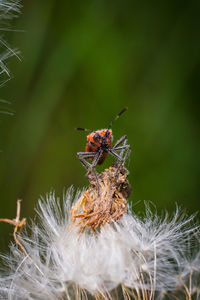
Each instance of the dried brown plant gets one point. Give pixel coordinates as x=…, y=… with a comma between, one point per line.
x=18, y=225
x=104, y=201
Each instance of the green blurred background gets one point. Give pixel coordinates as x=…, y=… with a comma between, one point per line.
x=82, y=62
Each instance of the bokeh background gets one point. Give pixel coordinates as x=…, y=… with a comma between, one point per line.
x=82, y=62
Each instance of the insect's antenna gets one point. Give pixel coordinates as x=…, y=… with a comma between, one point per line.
x=117, y=116
x=83, y=129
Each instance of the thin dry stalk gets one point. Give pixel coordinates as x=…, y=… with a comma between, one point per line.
x=171, y=295
x=190, y=282
x=18, y=226
x=127, y=293
x=187, y=292
x=153, y=285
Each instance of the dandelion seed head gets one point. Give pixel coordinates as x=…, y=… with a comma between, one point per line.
x=133, y=252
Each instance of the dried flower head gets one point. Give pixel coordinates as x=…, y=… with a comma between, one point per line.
x=104, y=201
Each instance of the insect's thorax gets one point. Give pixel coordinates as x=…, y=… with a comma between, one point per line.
x=99, y=139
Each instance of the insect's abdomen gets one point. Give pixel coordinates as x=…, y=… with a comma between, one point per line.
x=102, y=158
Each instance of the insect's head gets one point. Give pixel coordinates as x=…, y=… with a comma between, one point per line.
x=102, y=138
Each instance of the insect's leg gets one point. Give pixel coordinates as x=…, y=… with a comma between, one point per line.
x=127, y=153
x=94, y=163
x=89, y=154
x=121, y=140
x=122, y=148
x=126, y=148
x=112, y=151
x=84, y=163
x=120, y=156
x=96, y=158
x=122, y=159
x=85, y=155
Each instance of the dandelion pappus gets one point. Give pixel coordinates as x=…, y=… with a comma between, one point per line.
x=99, y=144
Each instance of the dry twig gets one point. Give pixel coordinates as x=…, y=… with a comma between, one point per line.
x=18, y=226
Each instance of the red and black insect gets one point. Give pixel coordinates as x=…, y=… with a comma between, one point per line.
x=99, y=144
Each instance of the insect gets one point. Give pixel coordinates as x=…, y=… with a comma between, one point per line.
x=99, y=144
